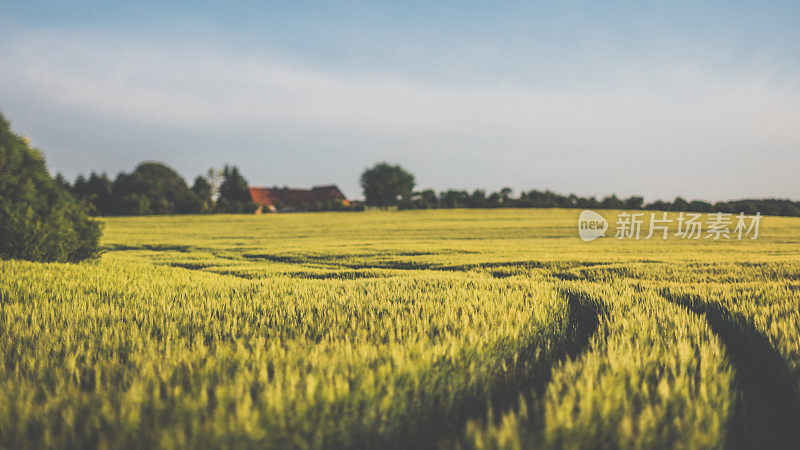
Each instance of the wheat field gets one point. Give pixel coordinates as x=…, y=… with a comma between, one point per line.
x=456, y=328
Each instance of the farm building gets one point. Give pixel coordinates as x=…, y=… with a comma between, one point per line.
x=274, y=199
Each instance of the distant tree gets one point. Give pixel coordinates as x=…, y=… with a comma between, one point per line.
x=700, y=206
x=234, y=186
x=587, y=203
x=634, y=202
x=494, y=200
x=39, y=219
x=96, y=192
x=420, y=200
x=547, y=199
x=386, y=185
x=611, y=202
x=133, y=205
x=204, y=191
x=751, y=207
x=427, y=199
x=550, y=199
x=214, y=178
x=63, y=182
x=679, y=204
x=453, y=198
x=724, y=207
x=505, y=195
x=659, y=205
x=539, y=199
x=477, y=199
x=153, y=188
x=234, y=195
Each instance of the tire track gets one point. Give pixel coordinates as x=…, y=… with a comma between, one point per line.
x=767, y=408
x=583, y=321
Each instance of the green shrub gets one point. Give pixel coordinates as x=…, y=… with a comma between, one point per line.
x=39, y=219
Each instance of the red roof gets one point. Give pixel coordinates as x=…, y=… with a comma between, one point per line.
x=294, y=198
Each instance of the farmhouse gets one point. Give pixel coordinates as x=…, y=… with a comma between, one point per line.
x=274, y=199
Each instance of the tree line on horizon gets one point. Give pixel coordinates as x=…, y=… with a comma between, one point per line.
x=429, y=199
x=388, y=185
x=154, y=188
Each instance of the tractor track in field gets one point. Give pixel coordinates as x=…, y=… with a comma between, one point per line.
x=767, y=407
x=334, y=261
x=585, y=314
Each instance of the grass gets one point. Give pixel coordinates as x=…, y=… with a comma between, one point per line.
x=458, y=328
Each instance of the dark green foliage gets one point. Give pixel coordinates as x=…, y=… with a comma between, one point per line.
x=633, y=203
x=547, y=199
x=384, y=185
x=387, y=185
x=679, y=204
x=234, y=195
x=234, y=186
x=39, y=219
x=153, y=188
x=96, y=192
x=63, y=182
x=612, y=202
x=478, y=199
x=329, y=205
x=426, y=199
x=204, y=191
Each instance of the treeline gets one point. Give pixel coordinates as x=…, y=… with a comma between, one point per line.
x=429, y=199
x=387, y=185
x=155, y=188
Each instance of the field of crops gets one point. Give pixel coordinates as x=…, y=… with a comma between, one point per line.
x=458, y=328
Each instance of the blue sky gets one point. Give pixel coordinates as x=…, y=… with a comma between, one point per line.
x=698, y=100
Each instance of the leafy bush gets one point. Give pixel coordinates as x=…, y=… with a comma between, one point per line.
x=39, y=219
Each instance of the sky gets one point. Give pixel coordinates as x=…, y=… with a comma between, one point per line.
x=661, y=99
